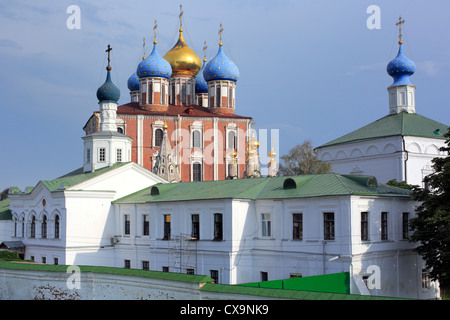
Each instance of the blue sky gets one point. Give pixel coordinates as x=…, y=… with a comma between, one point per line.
x=311, y=69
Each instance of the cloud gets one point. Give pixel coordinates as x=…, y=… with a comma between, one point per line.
x=365, y=68
x=8, y=43
x=431, y=68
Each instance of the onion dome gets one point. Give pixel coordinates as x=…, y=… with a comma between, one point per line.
x=108, y=92
x=154, y=66
x=182, y=59
x=200, y=84
x=133, y=82
x=401, y=68
x=221, y=68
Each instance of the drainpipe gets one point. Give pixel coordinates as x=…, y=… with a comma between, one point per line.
x=406, y=159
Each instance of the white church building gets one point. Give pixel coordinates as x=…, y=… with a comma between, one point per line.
x=113, y=212
x=398, y=146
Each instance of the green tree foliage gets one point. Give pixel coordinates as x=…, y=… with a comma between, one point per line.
x=301, y=159
x=401, y=184
x=431, y=227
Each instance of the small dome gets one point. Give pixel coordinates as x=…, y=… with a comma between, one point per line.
x=200, y=84
x=400, y=69
x=182, y=59
x=108, y=92
x=154, y=66
x=221, y=68
x=133, y=82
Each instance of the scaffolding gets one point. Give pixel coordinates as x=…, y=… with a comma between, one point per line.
x=182, y=251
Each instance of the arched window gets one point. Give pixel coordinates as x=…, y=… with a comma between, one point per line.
x=231, y=140
x=158, y=137
x=197, y=172
x=57, y=227
x=15, y=227
x=183, y=94
x=23, y=226
x=218, y=97
x=44, y=227
x=33, y=227
x=196, y=143
x=150, y=93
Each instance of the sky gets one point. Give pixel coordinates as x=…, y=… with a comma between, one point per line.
x=309, y=70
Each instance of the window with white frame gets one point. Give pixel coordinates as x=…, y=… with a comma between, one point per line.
x=145, y=225
x=328, y=226
x=384, y=226
x=119, y=155
x=197, y=171
x=88, y=155
x=231, y=140
x=158, y=134
x=297, y=226
x=196, y=139
x=102, y=154
x=127, y=224
x=266, y=225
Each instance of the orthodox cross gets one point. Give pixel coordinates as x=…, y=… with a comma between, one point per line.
x=109, y=57
x=143, y=48
x=399, y=24
x=181, y=15
x=220, y=34
x=154, y=31
x=204, y=50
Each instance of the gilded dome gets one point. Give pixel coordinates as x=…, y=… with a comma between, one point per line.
x=183, y=59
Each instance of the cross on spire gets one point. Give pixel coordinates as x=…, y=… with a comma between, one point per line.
x=143, y=48
x=154, y=32
x=181, y=16
x=399, y=24
x=220, y=34
x=109, y=57
x=204, y=50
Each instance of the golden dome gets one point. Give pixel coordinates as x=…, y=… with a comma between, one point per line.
x=272, y=154
x=183, y=59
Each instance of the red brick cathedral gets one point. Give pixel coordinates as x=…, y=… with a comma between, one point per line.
x=181, y=117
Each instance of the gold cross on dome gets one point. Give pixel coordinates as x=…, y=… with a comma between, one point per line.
x=399, y=24
x=181, y=15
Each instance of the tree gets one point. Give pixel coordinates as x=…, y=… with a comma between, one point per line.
x=301, y=159
x=431, y=227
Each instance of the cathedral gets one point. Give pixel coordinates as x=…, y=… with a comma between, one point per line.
x=181, y=119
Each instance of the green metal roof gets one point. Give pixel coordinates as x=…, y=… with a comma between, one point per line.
x=77, y=176
x=403, y=123
x=265, y=188
x=5, y=213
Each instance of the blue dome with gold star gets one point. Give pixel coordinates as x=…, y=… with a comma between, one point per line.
x=400, y=69
x=108, y=92
x=154, y=66
x=221, y=68
x=200, y=82
x=133, y=82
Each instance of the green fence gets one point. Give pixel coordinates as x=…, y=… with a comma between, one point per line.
x=334, y=283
